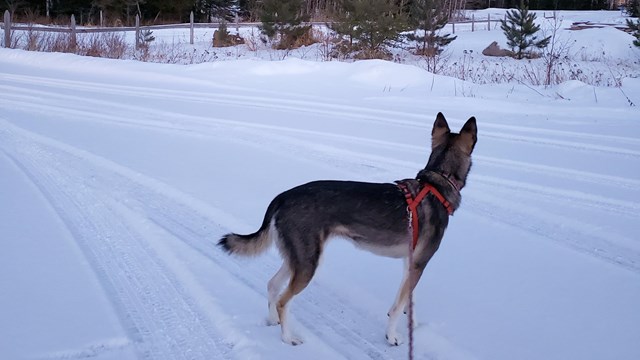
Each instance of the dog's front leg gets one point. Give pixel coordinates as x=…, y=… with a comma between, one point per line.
x=394, y=313
x=405, y=276
x=410, y=279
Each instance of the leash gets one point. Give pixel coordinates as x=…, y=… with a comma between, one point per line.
x=414, y=226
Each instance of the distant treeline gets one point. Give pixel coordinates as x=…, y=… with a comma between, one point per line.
x=122, y=12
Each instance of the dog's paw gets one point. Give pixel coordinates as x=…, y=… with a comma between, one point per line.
x=273, y=319
x=272, y=322
x=292, y=340
x=393, y=339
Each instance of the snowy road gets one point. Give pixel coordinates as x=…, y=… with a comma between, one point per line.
x=120, y=177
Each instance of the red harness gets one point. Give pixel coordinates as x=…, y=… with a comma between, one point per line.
x=412, y=205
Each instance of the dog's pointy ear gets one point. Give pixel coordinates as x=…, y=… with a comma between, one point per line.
x=469, y=135
x=440, y=131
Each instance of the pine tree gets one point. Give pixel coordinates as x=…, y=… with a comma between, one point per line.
x=633, y=8
x=283, y=20
x=635, y=28
x=370, y=25
x=520, y=30
x=429, y=17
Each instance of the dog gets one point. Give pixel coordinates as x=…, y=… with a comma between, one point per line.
x=374, y=216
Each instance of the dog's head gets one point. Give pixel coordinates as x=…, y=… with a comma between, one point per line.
x=451, y=152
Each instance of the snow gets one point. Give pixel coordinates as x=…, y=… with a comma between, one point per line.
x=118, y=177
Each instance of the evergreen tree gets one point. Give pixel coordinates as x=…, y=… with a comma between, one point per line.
x=520, y=30
x=635, y=28
x=429, y=17
x=370, y=25
x=283, y=20
x=633, y=8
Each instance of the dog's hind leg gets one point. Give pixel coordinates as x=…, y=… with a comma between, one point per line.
x=299, y=280
x=274, y=287
x=302, y=260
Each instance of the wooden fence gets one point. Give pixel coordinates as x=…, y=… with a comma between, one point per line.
x=74, y=30
x=473, y=23
x=191, y=25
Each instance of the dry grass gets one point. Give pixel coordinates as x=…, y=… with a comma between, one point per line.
x=107, y=45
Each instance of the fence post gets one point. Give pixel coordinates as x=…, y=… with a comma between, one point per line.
x=7, y=29
x=191, y=28
x=74, y=40
x=453, y=24
x=137, y=31
x=473, y=22
x=489, y=22
x=101, y=19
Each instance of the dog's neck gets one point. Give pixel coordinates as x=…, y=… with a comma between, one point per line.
x=448, y=186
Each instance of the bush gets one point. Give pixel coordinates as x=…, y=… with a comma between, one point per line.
x=223, y=38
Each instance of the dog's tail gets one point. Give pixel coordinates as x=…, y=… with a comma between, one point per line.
x=252, y=244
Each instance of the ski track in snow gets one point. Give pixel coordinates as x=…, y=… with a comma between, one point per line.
x=314, y=105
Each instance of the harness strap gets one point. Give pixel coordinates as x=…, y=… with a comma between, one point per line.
x=413, y=203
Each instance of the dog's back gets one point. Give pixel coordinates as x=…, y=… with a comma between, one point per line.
x=301, y=219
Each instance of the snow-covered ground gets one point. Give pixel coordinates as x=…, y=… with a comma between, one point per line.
x=118, y=177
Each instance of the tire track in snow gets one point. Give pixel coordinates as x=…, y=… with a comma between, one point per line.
x=161, y=319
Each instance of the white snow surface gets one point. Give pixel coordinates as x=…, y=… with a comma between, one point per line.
x=117, y=178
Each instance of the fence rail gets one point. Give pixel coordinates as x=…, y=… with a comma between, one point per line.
x=8, y=27
x=88, y=30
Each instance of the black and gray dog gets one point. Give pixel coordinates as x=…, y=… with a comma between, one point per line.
x=374, y=216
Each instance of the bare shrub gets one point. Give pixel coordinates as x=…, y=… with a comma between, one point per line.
x=253, y=41
x=327, y=41
x=33, y=40
x=92, y=46
x=115, y=45
x=557, y=51
x=60, y=42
